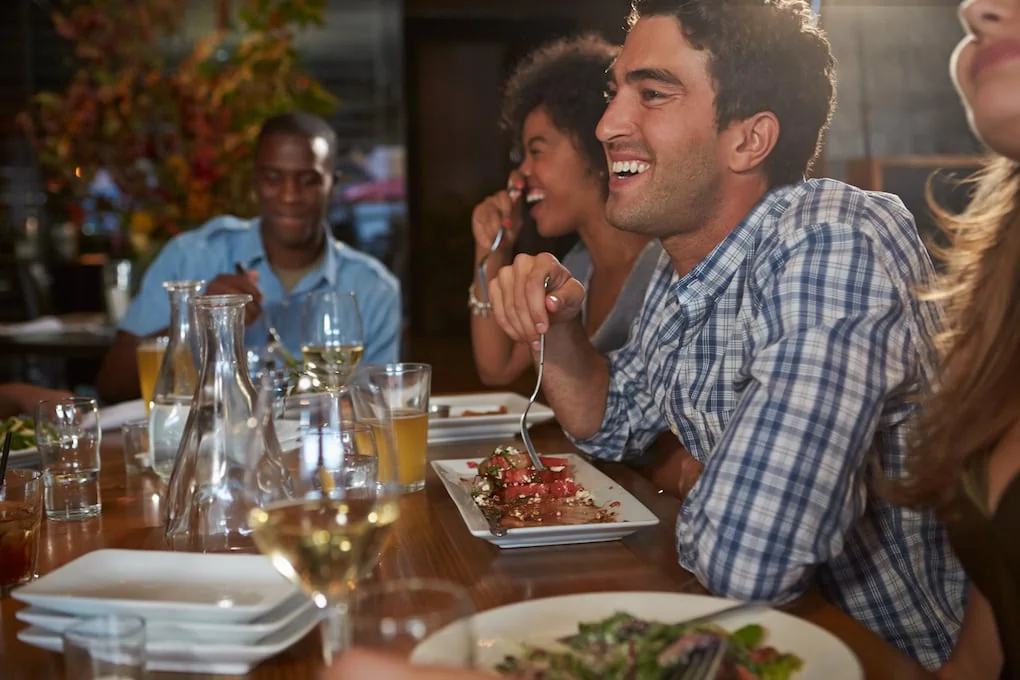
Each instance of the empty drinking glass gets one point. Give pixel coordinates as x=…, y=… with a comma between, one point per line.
x=397, y=616
x=68, y=436
x=105, y=648
x=135, y=439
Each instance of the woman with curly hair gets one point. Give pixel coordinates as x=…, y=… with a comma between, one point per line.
x=967, y=459
x=552, y=103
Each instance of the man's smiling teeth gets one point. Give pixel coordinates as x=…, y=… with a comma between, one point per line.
x=629, y=167
x=535, y=196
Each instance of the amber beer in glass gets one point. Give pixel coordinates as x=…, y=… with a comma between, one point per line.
x=150, y=356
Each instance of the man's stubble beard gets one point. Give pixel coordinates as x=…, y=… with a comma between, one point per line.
x=664, y=211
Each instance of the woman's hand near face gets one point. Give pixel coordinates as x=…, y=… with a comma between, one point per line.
x=501, y=210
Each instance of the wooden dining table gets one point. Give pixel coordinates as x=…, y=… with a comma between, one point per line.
x=429, y=540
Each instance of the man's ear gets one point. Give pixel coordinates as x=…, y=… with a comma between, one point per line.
x=750, y=141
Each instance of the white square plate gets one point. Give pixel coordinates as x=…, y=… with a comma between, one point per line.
x=190, y=631
x=152, y=584
x=631, y=514
x=177, y=656
x=458, y=427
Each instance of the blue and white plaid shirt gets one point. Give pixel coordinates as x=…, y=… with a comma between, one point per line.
x=785, y=362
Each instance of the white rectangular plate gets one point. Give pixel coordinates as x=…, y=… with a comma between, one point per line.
x=177, y=656
x=458, y=428
x=631, y=514
x=190, y=631
x=156, y=584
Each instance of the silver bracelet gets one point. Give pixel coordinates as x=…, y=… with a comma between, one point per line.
x=477, y=307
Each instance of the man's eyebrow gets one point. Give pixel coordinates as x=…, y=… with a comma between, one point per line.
x=534, y=138
x=660, y=75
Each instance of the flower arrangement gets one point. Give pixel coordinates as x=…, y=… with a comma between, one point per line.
x=176, y=139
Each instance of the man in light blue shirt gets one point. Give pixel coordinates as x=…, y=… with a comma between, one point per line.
x=287, y=253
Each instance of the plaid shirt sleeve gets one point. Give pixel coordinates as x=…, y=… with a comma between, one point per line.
x=829, y=343
x=632, y=418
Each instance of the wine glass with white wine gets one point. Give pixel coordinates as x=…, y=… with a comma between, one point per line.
x=334, y=338
x=325, y=527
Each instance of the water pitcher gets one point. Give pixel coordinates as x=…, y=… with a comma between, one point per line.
x=207, y=503
x=176, y=380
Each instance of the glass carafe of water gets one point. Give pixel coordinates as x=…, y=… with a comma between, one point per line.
x=175, y=382
x=207, y=501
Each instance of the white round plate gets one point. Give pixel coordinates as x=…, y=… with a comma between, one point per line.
x=500, y=631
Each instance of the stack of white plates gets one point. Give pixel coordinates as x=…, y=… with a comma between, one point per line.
x=204, y=613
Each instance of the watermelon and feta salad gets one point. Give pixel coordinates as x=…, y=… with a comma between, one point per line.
x=507, y=482
x=623, y=647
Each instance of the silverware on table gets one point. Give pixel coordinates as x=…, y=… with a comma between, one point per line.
x=493, y=516
x=439, y=410
x=703, y=663
x=725, y=611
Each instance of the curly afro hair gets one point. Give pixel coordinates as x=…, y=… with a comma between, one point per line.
x=567, y=78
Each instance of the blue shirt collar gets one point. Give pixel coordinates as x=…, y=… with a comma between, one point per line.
x=252, y=251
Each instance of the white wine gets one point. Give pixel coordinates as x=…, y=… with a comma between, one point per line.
x=332, y=364
x=322, y=544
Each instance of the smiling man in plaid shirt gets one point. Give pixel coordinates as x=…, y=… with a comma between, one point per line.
x=781, y=339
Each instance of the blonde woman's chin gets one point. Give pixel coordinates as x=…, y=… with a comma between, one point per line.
x=994, y=113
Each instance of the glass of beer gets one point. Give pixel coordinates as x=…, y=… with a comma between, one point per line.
x=406, y=389
x=150, y=356
x=20, y=517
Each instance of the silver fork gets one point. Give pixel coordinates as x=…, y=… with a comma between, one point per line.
x=535, y=460
x=483, y=280
x=274, y=335
x=704, y=663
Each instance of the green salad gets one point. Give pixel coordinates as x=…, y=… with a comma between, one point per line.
x=623, y=647
x=22, y=432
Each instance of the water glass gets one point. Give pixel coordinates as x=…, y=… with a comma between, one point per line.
x=135, y=438
x=20, y=517
x=105, y=648
x=67, y=435
x=397, y=616
x=406, y=388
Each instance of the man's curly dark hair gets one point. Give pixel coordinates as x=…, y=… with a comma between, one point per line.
x=566, y=77
x=765, y=55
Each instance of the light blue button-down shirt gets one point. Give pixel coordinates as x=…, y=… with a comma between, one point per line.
x=786, y=361
x=224, y=242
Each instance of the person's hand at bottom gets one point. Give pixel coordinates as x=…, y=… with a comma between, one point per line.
x=357, y=664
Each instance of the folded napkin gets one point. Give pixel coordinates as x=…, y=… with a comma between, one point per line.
x=114, y=416
x=44, y=324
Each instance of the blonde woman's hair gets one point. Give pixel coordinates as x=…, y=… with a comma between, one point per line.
x=977, y=396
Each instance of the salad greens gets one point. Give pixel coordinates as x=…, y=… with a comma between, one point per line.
x=23, y=432
x=623, y=647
